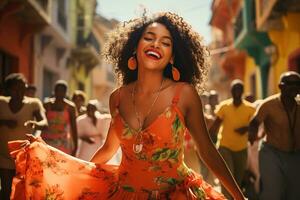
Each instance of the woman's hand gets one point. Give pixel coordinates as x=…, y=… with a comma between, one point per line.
x=33, y=138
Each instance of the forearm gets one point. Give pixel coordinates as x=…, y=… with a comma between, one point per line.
x=102, y=155
x=253, y=130
x=217, y=165
x=41, y=124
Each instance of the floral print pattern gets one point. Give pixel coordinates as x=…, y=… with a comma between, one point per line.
x=157, y=172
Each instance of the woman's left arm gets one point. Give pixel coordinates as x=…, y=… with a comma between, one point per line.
x=194, y=119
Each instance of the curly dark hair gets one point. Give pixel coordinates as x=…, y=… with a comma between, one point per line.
x=190, y=54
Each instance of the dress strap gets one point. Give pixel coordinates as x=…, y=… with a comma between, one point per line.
x=177, y=94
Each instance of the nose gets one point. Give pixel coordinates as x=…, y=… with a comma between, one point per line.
x=155, y=43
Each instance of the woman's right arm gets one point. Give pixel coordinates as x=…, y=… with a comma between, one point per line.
x=112, y=142
x=196, y=124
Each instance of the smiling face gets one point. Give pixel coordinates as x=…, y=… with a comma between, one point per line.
x=154, y=50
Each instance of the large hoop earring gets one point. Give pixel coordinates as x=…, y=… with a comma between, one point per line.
x=132, y=62
x=175, y=73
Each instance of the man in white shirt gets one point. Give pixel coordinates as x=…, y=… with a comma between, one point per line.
x=92, y=130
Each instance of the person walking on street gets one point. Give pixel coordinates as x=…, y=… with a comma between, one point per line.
x=19, y=115
x=61, y=115
x=279, y=156
x=92, y=130
x=234, y=115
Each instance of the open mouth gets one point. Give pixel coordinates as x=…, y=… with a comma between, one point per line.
x=153, y=54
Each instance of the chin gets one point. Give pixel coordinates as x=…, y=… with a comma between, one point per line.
x=154, y=66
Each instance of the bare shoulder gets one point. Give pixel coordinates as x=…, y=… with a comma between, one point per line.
x=114, y=97
x=48, y=102
x=189, y=98
x=4, y=99
x=69, y=103
x=189, y=93
x=124, y=90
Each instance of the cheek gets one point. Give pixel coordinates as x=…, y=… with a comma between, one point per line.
x=141, y=45
x=168, y=53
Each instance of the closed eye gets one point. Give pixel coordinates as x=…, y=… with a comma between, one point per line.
x=166, y=44
x=147, y=39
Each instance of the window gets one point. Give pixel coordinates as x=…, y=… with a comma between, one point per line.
x=61, y=14
x=49, y=79
x=8, y=64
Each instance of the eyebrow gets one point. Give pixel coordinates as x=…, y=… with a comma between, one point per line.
x=152, y=33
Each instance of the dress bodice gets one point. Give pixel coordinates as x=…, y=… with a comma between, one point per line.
x=160, y=160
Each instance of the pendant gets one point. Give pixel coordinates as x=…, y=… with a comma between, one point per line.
x=137, y=148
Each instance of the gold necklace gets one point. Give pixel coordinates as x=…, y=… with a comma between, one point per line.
x=137, y=147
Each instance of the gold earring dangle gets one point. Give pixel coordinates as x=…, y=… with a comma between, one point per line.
x=132, y=62
x=175, y=73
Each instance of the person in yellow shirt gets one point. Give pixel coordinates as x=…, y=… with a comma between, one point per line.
x=232, y=118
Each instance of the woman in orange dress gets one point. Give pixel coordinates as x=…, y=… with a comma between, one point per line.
x=160, y=60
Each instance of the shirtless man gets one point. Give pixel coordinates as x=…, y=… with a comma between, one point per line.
x=279, y=157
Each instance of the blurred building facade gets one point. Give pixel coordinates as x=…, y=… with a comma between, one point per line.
x=19, y=22
x=47, y=40
x=103, y=77
x=224, y=69
x=85, y=54
x=280, y=19
x=52, y=47
x=257, y=41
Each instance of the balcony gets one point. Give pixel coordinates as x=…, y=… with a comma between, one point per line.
x=87, y=51
x=33, y=12
x=222, y=13
x=246, y=36
x=270, y=12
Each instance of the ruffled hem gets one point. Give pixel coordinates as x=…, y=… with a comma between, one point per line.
x=44, y=172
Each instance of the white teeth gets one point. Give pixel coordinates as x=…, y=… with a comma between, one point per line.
x=153, y=54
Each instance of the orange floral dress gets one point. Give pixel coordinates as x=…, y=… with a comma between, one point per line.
x=156, y=172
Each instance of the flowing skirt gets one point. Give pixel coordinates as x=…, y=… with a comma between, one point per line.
x=44, y=172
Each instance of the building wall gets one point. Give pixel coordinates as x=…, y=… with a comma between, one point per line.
x=49, y=65
x=46, y=64
x=102, y=76
x=80, y=77
x=252, y=80
x=286, y=41
x=12, y=43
